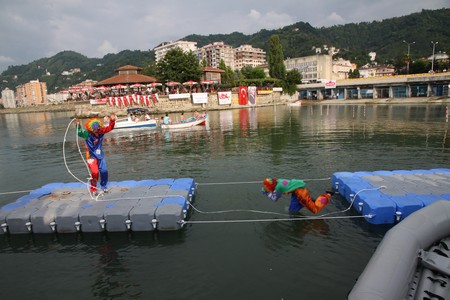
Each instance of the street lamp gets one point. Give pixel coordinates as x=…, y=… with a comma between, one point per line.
x=407, y=64
x=432, y=61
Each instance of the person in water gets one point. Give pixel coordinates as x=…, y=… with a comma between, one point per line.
x=274, y=188
x=93, y=135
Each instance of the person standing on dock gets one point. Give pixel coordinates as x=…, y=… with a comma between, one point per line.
x=274, y=188
x=93, y=135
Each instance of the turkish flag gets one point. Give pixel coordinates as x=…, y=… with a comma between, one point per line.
x=243, y=98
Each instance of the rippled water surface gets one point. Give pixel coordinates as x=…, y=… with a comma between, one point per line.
x=291, y=259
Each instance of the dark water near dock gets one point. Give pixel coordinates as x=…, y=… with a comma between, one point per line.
x=308, y=259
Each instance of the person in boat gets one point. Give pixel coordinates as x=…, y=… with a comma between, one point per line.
x=93, y=135
x=196, y=114
x=274, y=188
x=147, y=117
x=166, y=119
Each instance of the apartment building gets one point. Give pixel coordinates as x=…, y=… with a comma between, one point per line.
x=31, y=93
x=319, y=67
x=246, y=55
x=215, y=52
x=9, y=101
x=186, y=46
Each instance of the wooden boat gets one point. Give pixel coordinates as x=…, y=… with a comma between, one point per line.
x=138, y=122
x=186, y=124
x=412, y=261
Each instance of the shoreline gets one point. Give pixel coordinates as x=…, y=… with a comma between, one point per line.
x=121, y=111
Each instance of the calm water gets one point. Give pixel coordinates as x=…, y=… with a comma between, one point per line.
x=308, y=259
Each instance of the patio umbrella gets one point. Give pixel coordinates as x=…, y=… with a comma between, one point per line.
x=101, y=88
x=207, y=82
x=190, y=83
x=137, y=85
x=154, y=84
x=172, y=83
x=119, y=86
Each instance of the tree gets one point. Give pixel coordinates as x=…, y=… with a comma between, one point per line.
x=275, y=58
x=177, y=65
x=293, y=77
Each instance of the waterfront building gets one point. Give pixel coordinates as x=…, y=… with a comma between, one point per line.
x=9, y=101
x=127, y=75
x=246, y=55
x=186, y=46
x=31, y=93
x=215, y=52
x=376, y=71
x=313, y=68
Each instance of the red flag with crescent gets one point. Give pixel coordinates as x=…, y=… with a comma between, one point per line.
x=243, y=91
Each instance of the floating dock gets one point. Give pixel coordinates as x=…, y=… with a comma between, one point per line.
x=387, y=197
x=145, y=205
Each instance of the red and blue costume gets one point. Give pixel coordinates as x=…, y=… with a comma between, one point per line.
x=94, y=152
x=274, y=188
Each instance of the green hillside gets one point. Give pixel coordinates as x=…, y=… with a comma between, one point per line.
x=299, y=39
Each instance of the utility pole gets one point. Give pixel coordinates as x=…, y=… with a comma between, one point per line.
x=432, y=61
x=407, y=63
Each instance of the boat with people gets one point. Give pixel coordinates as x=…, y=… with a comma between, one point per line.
x=193, y=121
x=136, y=118
x=413, y=259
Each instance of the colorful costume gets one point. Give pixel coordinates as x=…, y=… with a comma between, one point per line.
x=94, y=154
x=300, y=197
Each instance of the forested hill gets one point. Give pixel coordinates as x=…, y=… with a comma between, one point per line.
x=299, y=39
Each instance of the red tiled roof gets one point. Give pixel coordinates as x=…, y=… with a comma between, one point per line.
x=126, y=79
x=128, y=67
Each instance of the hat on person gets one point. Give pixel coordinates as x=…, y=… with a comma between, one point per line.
x=93, y=124
x=270, y=184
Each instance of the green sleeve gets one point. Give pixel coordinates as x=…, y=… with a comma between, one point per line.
x=82, y=133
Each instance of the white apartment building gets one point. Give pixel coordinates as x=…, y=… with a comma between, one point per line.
x=215, y=52
x=9, y=101
x=319, y=67
x=186, y=46
x=246, y=55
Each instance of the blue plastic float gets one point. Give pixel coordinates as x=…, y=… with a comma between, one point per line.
x=144, y=205
x=387, y=197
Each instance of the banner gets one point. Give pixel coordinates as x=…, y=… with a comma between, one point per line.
x=199, y=98
x=331, y=84
x=224, y=98
x=179, y=96
x=252, y=95
x=242, y=95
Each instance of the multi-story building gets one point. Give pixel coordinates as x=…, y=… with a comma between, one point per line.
x=319, y=67
x=9, y=101
x=215, y=52
x=313, y=68
x=341, y=68
x=32, y=93
x=246, y=55
x=376, y=71
x=186, y=46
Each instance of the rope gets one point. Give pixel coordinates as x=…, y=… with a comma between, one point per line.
x=301, y=218
x=274, y=220
x=255, y=182
x=88, y=185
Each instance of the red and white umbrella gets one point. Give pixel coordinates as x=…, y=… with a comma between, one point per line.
x=119, y=86
x=190, y=83
x=207, y=82
x=172, y=83
x=137, y=85
x=153, y=84
x=102, y=88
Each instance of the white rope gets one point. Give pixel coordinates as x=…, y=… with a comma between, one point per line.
x=320, y=217
x=254, y=182
x=274, y=220
x=88, y=185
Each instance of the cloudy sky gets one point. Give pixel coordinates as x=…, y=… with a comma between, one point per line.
x=33, y=29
